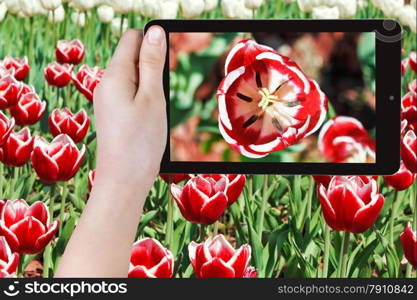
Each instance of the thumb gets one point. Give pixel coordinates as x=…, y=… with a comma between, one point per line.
x=151, y=62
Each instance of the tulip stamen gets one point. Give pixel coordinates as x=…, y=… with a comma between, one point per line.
x=267, y=98
x=244, y=97
x=276, y=124
x=258, y=80
x=250, y=121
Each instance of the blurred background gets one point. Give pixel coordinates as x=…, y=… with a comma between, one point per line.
x=342, y=63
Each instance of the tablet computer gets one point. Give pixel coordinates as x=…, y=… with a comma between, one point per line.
x=282, y=96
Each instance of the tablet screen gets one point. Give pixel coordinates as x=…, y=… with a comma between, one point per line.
x=272, y=97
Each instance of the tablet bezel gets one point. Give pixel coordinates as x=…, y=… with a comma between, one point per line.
x=388, y=96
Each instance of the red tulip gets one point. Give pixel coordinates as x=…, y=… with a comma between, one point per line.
x=201, y=200
x=27, y=229
x=18, y=148
x=404, y=65
x=6, y=127
x=234, y=185
x=20, y=67
x=409, y=150
x=409, y=242
x=344, y=139
x=29, y=110
x=9, y=91
x=216, y=258
x=350, y=204
x=87, y=79
x=57, y=161
x=69, y=52
x=174, y=178
x=325, y=179
x=409, y=109
x=74, y=125
x=8, y=260
x=250, y=273
x=412, y=61
x=150, y=259
x=401, y=180
x=58, y=75
x=2, y=203
x=266, y=103
x=91, y=175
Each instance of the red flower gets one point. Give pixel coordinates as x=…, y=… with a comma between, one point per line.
x=9, y=91
x=409, y=109
x=409, y=150
x=58, y=75
x=17, y=149
x=20, y=67
x=91, y=175
x=64, y=121
x=29, y=110
x=69, y=52
x=27, y=229
x=404, y=65
x=201, y=200
x=401, y=180
x=325, y=179
x=409, y=242
x=344, y=139
x=412, y=61
x=350, y=204
x=216, y=258
x=250, y=273
x=6, y=127
x=57, y=161
x=150, y=259
x=266, y=102
x=234, y=185
x=2, y=203
x=86, y=80
x=175, y=178
x=8, y=260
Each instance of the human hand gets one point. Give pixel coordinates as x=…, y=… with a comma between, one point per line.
x=130, y=110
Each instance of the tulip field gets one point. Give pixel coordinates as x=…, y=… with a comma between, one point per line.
x=52, y=56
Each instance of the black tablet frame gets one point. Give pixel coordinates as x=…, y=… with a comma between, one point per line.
x=388, y=95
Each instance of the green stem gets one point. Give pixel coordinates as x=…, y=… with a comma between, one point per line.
x=392, y=216
x=263, y=206
x=20, y=267
x=47, y=254
x=62, y=208
x=344, y=255
x=30, y=46
x=326, y=252
x=216, y=228
x=170, y=217
x=13, y=185
x=122, y=19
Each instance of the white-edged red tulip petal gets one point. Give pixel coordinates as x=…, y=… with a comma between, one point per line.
x=344, y=139
x=27, y=229
x=9, y=260
x=58, y=75
x=63, y=121
x=409, y=243
x=19, y=66
x=17, y=149
x=350, y=203
x=86, y=80
x=29, y=109
x=70, y=52
x=409, y=150
x=57, y=161
x=216, y=258
x=266, y=103
x=149, y=259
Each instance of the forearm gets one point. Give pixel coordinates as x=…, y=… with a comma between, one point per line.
x=102, y=241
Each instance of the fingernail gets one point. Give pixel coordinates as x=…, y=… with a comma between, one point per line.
x=154, y=35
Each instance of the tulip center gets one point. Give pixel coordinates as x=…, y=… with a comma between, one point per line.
x=267, y=98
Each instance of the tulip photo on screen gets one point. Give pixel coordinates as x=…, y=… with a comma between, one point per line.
x=234, y=97
x=271, y=97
